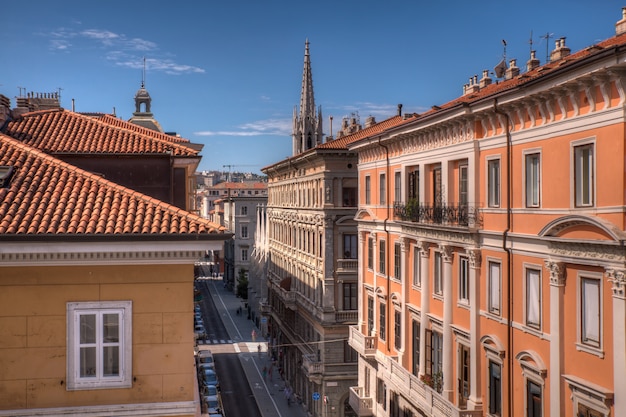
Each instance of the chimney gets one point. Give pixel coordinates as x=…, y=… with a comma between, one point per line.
x=399, y=109
x=472, y=87
x=370, y=121
x=486, y=80
x=620, y=26
x=533, y=62
x=560, y=50
x=5, y=109
x=512, y=70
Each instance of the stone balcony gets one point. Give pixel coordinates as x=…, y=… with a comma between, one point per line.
x=428, y=400
x=264, y=307
x=288, y=297
x=362, y=406
x=312, y=367
x=347, y=316
x=347, y=266
x=453, y=215
x=364, y=345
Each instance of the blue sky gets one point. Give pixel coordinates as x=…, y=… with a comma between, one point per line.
x=228, y=74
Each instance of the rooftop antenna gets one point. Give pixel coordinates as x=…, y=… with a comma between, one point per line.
x=22, y=89
x=547, y=37
x=59, y=89
x=143, y=74
x=530, y=41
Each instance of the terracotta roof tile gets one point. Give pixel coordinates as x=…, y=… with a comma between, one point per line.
x=63, y=131
x=46, y=196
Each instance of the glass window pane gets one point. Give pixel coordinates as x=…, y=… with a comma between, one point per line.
x=591, y=311
x=532, y=294
x=87, y=328
x=87, y=362
x=111, y=361
x=111, y=328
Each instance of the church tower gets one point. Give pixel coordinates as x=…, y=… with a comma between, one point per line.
x=307, y=126
x=144, y=117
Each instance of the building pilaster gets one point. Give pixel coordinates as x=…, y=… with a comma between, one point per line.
x=475, y=398
x=448, y=387
x=557, y=288
x=618, y=280
x=425, y=302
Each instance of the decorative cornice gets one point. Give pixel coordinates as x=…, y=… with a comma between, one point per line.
x=617, y=277
x=587, y=251
x=475, y=257
x=76, y=258
x=557, y=272
x=440, y=235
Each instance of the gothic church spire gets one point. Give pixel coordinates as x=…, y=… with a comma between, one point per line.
x=307, y=126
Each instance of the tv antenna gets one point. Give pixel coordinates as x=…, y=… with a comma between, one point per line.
x=547, y=37
x=143, y=74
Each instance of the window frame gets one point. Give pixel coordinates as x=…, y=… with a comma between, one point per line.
x=370, y=253
x=350, y=294
x=368, y=189
x=244, y=254
x=382, y=258
x=583, y=342
x=382, y=320
x=397, y=261
x=494, y=402
x=370, y=315
x=417, y=267
x=494, y=183
x=527, y=297
x=532, y=178
x=244, y=210
x=244, y=231
x=438, y=274
x=397, y=331
x=577, y=185
x=464, y=289
x=382, y=189
x=415, y=330
x=463, y=183
x=490, y=288
x=397, y=184
x=74, y=310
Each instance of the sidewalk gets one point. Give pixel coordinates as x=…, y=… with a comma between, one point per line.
x=268, y=392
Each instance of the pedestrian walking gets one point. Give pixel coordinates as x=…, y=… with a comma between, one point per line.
x=269, y=371
x=288, y=395
x=253, y=335
x=265, y=373
x=258, y=349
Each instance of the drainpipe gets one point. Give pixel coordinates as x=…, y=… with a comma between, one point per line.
x=505, y=247
x=388, y=248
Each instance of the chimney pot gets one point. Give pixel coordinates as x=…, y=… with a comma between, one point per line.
x=620, y=26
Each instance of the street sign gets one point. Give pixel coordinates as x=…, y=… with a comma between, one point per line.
x=263, y=319
x=316, y=396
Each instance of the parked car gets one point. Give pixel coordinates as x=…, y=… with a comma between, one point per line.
x=209, y=377
x=205, y=353
x=209, y=390
x=212, y=403
x=206, y=365
x=205, y=359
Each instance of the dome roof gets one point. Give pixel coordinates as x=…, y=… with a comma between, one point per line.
x=142, y=93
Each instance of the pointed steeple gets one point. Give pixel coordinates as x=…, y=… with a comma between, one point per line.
x=307, y=126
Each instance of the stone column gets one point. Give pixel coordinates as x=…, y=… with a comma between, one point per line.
x=374, y=285
x=618, y=280
x=448, y=381
x=404, y=246
x=475, y=399
x=557, y=288
x=425, y=301
x=362, y=305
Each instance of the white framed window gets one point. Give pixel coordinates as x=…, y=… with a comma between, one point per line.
x=438, y=274
x=382, y=321
x=244, y=209
x=464, y=279
x=244, y=254
x=417, y=262
x=397, y=261
x=533, y=298
x=532, y=178
x=463, y=184
x=99, y=345
x=382, y=189
x=590, y=312
x=244, y=231
x=397, y=184
x=382, y=257
x=494, y=287
x=370, y=253
x=584, y=175
x=368, y=189
x=493, y=182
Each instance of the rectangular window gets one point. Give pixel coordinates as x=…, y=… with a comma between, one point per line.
x=244, y=231
x=533, y=399
x=381, y=257
x=350, y=296
x=463, y=185
x=349, y=354
x=413, y=186
x=397, y=184
x=382, y=322
x=397, y=261
x=494, y=288
x=370, y=315
x=437, y=353
x=99, y=345
x=533, y=298
x=437, y=276
x=368, y=190
x=397, y=324
x=350, y=248
x=464, y=279
x=590, y=311
x=349, y=197
x=417, y=262
x=383, y=189
x=244, y=210
x=381, y=393
x=493, y=183
x=583, y=175
x=532, y=180
x=370, y=253
x=495, y=389
x=416, y=347
x=244, y=254
x=437, y=187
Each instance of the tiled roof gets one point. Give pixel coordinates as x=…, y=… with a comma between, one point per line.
x=342, y=142
x=63, y=131
x=46, y=196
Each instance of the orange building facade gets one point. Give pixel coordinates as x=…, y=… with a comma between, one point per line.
x=491, y=247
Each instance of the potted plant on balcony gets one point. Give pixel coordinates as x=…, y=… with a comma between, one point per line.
x=412, y=209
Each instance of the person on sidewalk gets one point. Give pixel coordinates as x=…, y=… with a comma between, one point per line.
x=265, y=373
x=253, y=335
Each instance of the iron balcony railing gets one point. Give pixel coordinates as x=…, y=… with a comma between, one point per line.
x=460, y=215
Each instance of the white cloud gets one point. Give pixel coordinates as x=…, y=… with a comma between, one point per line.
x=270, y=127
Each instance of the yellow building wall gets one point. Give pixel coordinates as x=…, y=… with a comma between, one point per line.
x=33, y=330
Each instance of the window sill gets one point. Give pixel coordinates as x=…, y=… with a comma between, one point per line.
x=464, y=304
x=590, y=349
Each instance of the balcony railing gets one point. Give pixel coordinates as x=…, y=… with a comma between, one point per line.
x=311, y=365
x=429, y=400
x=361, y=405
x=346, y=316
x=364, y=345
x=459, y=215
x=347, y=265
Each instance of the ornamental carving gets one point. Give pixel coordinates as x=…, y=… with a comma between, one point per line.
x=440, y=235
x=557, y=272
x=446, y=252
x=475, y=258
x=617, y=277
x=587, y=251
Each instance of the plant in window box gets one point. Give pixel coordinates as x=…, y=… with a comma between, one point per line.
x=412, y=209
x=427, y=379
